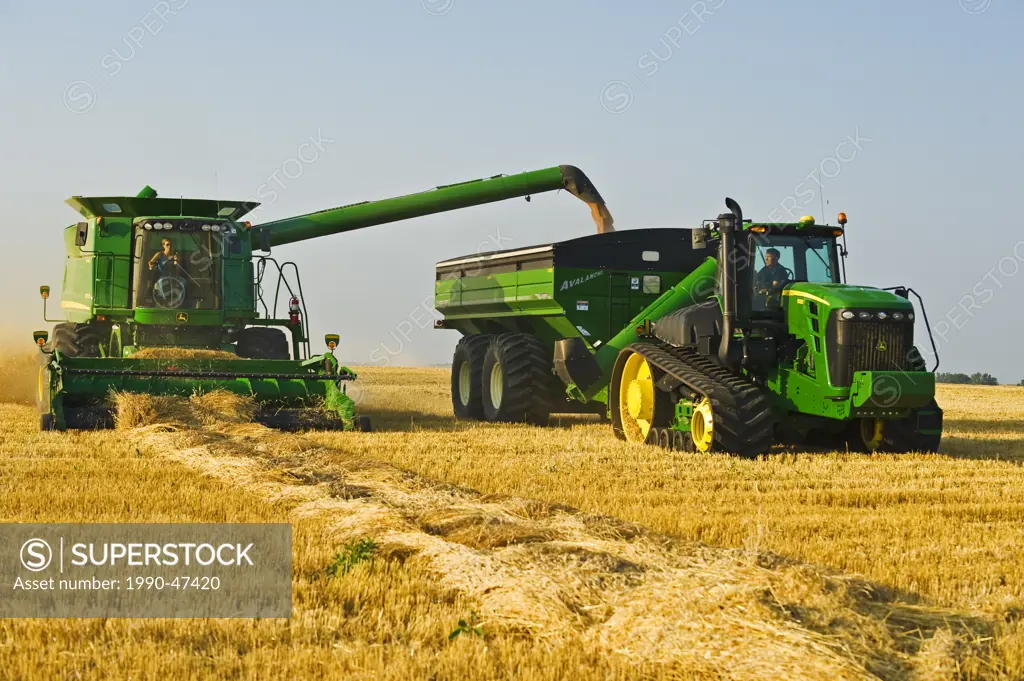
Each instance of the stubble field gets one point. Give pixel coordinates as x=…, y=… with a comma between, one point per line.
x=563, y=552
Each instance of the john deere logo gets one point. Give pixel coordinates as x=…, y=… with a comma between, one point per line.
x=183, y=317
x=881, y=346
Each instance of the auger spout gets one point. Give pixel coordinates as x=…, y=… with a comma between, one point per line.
x=441, y=199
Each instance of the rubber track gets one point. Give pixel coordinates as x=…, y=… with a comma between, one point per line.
x=744, y=420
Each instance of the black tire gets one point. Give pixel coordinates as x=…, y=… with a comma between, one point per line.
x=467, y=376
x=363, y=424
x=47, y=422
x=262, y=342
x=74, y=340
x=523, y=365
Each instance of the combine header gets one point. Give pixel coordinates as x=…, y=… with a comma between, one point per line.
x=166, y=297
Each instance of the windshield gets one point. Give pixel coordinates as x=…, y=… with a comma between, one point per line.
x=177, y=270
x=780, y=260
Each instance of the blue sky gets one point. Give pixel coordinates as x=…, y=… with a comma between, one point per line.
x=668, y=106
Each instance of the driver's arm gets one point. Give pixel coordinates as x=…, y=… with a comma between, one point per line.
x=152, y=261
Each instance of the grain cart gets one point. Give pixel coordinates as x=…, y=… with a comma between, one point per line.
x=760, y=343
x=146, y=274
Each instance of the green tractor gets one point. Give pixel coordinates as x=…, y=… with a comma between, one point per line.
x=170, y=296
x=761, y=343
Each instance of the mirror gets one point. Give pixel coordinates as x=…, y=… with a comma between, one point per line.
x=265, y=240
x=81, y=234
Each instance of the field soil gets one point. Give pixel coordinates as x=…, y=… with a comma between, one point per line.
x=442, y=549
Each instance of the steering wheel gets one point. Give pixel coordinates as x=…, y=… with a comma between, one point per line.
x=169, y=292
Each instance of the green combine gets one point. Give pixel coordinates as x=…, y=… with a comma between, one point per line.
x=731, y=337
x=171, y=296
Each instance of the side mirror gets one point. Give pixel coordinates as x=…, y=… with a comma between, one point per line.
x=332, y=341
x=44, y=292
x=265, y=240
x=40, y=337
x=81, y=234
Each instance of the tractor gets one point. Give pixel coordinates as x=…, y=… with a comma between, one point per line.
x=761, y=343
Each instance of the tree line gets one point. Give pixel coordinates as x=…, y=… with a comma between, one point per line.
x=964, y=379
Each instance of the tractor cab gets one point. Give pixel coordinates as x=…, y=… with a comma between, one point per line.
x=785, y=255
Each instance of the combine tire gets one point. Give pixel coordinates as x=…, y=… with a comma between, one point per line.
x=261, y=342
x=467, y=376
x=74, y=340
x=517, y=379
x=731, y=414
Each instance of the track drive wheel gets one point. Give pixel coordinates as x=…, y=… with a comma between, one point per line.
x=639, y=405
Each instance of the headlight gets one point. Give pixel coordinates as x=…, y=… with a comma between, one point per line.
x=168, y=225
x=149, y=225
x=214, y=228
x=910, y=316
x=864, y=315
x=206, y=228
x=898, y=316
x=882, y=315
x=847, y=314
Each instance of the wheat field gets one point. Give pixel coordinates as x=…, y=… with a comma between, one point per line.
x=547, y=553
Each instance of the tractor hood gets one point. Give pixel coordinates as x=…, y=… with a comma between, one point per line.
x=844, y=295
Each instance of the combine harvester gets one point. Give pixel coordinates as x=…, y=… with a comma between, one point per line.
x=166, y=297
x=764, y=342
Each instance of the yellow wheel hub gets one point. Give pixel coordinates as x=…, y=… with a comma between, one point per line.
x=636, y=398
x=872, y=432
x=702, y=426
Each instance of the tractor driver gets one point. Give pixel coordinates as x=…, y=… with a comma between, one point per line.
x=162, y=259
x=772, y=278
